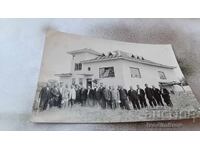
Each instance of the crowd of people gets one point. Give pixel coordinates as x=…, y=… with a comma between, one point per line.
x=62, y=96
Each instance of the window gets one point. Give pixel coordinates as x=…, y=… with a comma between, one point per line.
x=106, y=72
x=89, y=68
x=135, y=72
x=162, y=75
x=78, y=66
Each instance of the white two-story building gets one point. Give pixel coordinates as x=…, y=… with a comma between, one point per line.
x=115, y=68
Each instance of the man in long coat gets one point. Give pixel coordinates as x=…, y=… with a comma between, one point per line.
x=78, y=94
x=133, y=97
x=166, y=96
x=44, y=97
x=90, y=96
x=115, y=98
x=106, y=97
x=149, y=94
x=157, y=96
x=83, y=96
x=123, y=98
x=141, y=96
x=99, y=94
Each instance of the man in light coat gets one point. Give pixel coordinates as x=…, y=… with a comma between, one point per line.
x=72, y=96
x=115, y=98
x=65, y=95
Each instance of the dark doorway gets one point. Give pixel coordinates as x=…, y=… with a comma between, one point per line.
x=89, y=82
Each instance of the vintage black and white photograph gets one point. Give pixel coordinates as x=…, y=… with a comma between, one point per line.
x=90, y=80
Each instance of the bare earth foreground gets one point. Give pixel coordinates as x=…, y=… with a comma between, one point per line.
x=185, y=106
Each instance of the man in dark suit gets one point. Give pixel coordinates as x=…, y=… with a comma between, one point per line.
x=56, y=96
x=45, y=96
x=149, y=94
x=78, y=94
x=83, y=96
x=106, y=97
x=157, y=96
x=133, y=97
x=90, y=96
x=99, y=94
x=166, y=96
x=141, y=96
x=123, y=98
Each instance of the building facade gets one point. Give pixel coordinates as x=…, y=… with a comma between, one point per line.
x=115, y=68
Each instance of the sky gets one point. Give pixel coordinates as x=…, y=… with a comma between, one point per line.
x=22, y=42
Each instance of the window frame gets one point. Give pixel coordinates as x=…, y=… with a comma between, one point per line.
x=108, y=76
x=163, y=73
x=140, y=76
x=78, y=66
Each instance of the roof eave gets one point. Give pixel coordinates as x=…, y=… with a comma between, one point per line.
x=109, y=59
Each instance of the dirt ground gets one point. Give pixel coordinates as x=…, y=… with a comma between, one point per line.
x=185, y=106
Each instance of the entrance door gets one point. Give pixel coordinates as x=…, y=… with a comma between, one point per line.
x=89, y=82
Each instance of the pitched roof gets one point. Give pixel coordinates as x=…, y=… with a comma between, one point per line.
x=125, y=56
x=84, y=50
